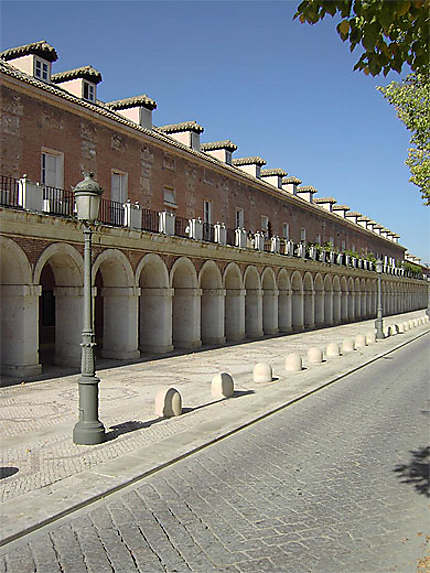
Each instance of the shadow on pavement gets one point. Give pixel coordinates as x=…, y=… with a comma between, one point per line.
x=417, y=472
x=7, y=471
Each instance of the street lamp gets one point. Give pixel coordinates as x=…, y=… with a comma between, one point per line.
x=88, y=430
x=378, y=321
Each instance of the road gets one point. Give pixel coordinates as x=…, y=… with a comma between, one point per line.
x=337, y=482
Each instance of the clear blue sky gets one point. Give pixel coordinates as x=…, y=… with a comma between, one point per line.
x=246, y=71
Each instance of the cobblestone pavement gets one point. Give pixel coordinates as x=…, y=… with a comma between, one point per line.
x=36, y=419
x=334, y=483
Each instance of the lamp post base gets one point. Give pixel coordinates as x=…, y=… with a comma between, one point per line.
x=89, y=433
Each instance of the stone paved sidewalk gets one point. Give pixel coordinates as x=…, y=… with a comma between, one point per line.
x=44, y=474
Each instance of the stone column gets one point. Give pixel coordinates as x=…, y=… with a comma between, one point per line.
x=235, y=314
x=344, y=306
x=186, y=318
x=253, y=313
x=156, y=320
x=120, y=312
x=351, y=306
x=212, y=316
x=284, y=311
x=19, y=328
x=319, y=308
x=337, y=306
x=328, y=307
x=68, y=325
x=270, y=311
x=309, y=308
x=297, y=311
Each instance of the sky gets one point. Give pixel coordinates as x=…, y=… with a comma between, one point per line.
x=248, y=72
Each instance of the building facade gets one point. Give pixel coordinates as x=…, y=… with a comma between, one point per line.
x=193, y=246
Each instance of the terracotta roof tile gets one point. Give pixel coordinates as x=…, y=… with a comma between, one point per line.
x=135, y=101
x=213, y=145
x=291, y=179
x=183, y=126
x=270, y=172
x=86, y=72
x=255, y=160
x=41, y=48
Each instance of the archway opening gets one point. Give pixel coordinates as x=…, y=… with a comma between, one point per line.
x=284, y=302
x=297, y=302
x=47, y=316
x=253, y=305
x=234, y=315
x=186, y=306
x=212, y=305
x=319, y=300
x=270, y=303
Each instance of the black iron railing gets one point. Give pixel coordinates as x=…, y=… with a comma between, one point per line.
x=208, y=232
x=111, y=213
x=9, y=191
x=58, y=201
x=150, y=220
x=181, y=226
x=231, y=237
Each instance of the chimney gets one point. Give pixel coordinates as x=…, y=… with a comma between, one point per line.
x=363, y=221
x=353, y=216
x=251, y=165
x=395, y=237
x=340, y=210
x=289, y=184
x=80, y=82
x=325, y=202
x=137, y=109
x=221, y=150
x=377, y=228
x=306, y=192
x=187, y=132
x=33, y=59
x=273, y=176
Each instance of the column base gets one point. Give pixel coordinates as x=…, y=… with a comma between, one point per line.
x=120, y=354
x=89, y=433
x=214, y=340
x=187, y=344
x=160, y=349
x=21, y=371
x=271, y=331
x=285, y=329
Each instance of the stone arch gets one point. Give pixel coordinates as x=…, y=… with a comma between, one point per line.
x=234, y=316
x=59, y=271
x=319, y=300
x=284, y=301
x=270, y=302
x=19, y=301
x=186, y=305
x=297, y=312
x=212, y=304
x=253, y=303
x=337, y=300
x=116, y=306
x=308, y=301
x=155, y=305
x=328, y=300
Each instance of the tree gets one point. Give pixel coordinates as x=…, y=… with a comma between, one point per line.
x=391, y=33
x=411, y=99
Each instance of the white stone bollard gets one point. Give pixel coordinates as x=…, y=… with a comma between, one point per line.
x=411, y=324
x=405, y=327
x=360, y=341
x=415, y=323
x=222, y=385
x=332, y=349
x=315, y=355
x=386, y=331
x=348, y=345
x=370, y=338
x=262, y=372
x=293, y=362
x=168, y=403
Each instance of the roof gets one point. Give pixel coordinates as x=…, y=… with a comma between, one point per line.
x=325, y=200
x=255, y=160
x=183, y=126
x=135, y=101
x=41, y=48
x=340, y=208
x=364, y=218
x=270, y=172
x=354, y=214
x=306, y=189
x=291, y=179
x=213, y=145
x=85, y=72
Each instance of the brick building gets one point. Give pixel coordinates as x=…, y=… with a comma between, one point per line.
x=193, y=246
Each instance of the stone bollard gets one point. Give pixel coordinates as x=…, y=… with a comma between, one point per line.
x=168, y=403
x=405, y=327
x=396, y=328
x=262, y=372
x=348, y=345
x=415, y=323
x=411, y=324
x=370, y=338
x=333, y=350
x=293, y=362
x=222, y=385
x=315, y=355
x=360, y=341
x=386, y=331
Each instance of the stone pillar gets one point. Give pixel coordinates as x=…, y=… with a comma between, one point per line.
x=328, y=308
x=156, y=320
x=270, y=311
x=19, y=328
x=284, y=311
x=351, y=306
x=120, y=312
x=253, y=313
x=186, y=318
x=235, y=314
x=319, y=304
x=337, y=307
x=68, y=325
x=309, y=308
x=212, y=316
x=297, y=311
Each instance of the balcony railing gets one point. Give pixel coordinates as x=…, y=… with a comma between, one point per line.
x=58, y=201
x=150, y=220
x=208, y=232
x=111, y=213
x=9, y=191
x=181, y=226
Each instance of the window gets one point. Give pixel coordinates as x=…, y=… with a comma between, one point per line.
x=41, y=69
x=239, y=218
x=265, y=224
x=207, y=212
x=286, y=230
x=303, y=234
x=169, y=197
x=119, y=187
x=89, y=92
x=52, y=169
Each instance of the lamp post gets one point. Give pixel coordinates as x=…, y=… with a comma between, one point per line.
x=88, y=430
x=378, y=321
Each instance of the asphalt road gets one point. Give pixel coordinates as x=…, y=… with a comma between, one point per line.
x=337, y=482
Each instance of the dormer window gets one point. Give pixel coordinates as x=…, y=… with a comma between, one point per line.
x=89, y=91
x=41, y=69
